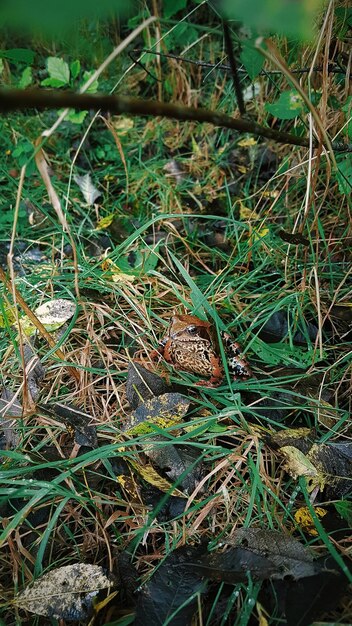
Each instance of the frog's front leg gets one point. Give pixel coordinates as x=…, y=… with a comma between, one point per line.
x=217, y=374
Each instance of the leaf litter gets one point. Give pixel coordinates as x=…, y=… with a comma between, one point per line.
x=66, y=592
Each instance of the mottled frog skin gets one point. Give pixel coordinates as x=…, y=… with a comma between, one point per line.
x=191, y=345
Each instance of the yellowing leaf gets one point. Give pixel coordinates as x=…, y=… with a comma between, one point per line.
x=195, y=147
x=271, y=194
x=116, y=275
x=297, y=464
x=242, y=169
x=262, y=615
x=162, y=411
x=105, y=222
x=247, y=142
x=259, y=234
x=246, y=213
x=120, y=277
x=8, y=318
x=304, y=519
x=122, y=124
x=151, y=476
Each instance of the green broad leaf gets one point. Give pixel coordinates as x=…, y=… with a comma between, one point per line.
x=348, y=105
x=143, y=262
x=75, y=68
x=1, y=66
x=52, y=82
x=173, y=6
x=94, y=86
x=252, y=60
x=22, y=147
x=281, y=353
x=26, y=78
x=184, y=34
x=288, y=106
x=76, y=117
x=18, y=55
x=58, y=69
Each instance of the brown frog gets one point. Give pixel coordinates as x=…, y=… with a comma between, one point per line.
x=192, y=345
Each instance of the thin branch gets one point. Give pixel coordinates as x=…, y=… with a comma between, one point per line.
x=233, y=65
x=13, y=99
x=332, y=67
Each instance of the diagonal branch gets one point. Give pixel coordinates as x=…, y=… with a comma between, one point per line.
x=13, y=99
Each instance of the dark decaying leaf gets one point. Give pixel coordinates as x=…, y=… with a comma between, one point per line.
x=334, y=462
x=127, y=576
x=295, y=587
x=294, y=238
x=165, y=507
x=172, y=591
x=35, y=370
x=176, y=460
x=164, y=411
x=277, y=326
x=289, y=556
x=301, y=601
x=278, y=407
x=9, y=436
x=85, y=433
x=66, y=592
x=234, y=565
x=143, y=385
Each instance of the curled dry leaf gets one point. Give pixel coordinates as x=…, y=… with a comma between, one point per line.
x=66, y=592
x=89, y=191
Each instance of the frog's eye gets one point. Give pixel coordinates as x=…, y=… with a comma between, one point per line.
x=192, y=330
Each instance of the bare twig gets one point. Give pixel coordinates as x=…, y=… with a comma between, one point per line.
x=332, y=67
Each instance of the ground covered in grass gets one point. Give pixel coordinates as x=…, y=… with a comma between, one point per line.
x=224, y=505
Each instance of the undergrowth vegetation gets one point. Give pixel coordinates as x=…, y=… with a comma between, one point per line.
x=134, y=220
